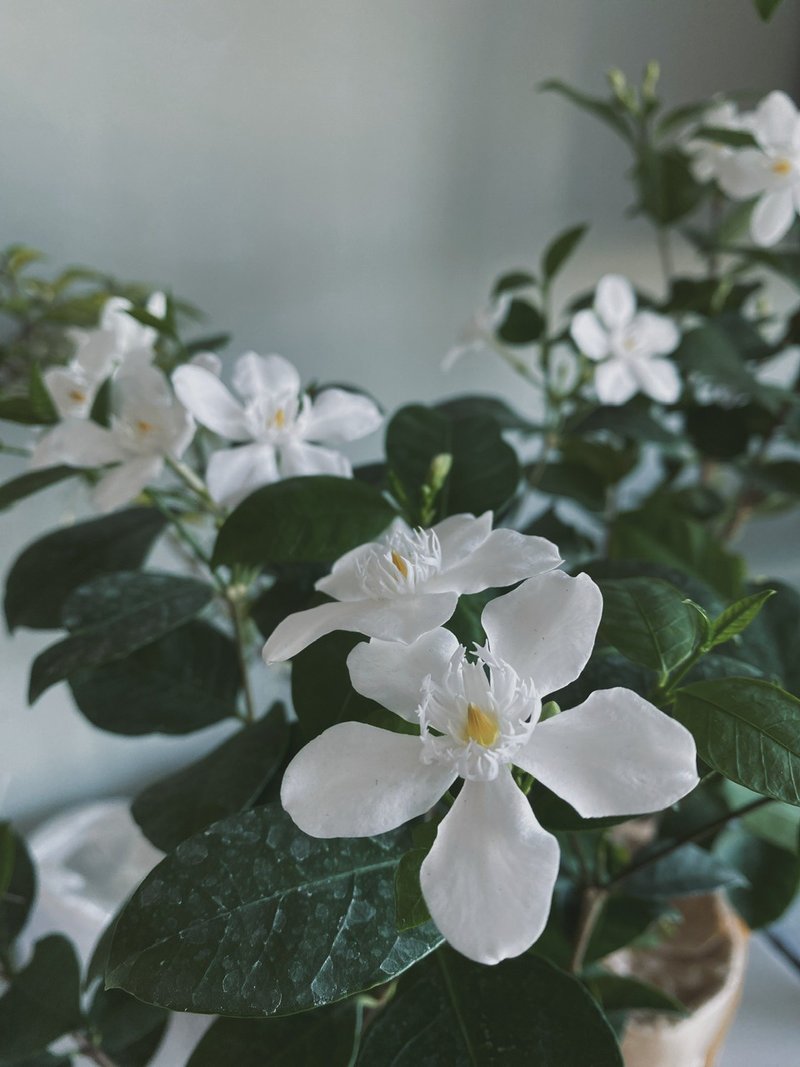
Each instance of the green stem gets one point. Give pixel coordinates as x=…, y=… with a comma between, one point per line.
x=665, y=255
x=238, y=612
x=197, y=486
x=594, y=900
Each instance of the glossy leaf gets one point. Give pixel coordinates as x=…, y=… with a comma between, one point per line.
x=450, y=1012
x=17, y=899
x=626, y=920
x=411, y=907
x=748, y=730
x=767, y=8
x=780, y=621
x=31, y=482
x=255, y=918
x=523, y=324
x=605, y=110
x=185, y=681
x=463, y=407
x=49, y=569
x=302, y=520
x=227, y=780
x=773, y=874
x=648, y=621
x=42, y=1002
x=128, y=1031
x=114, y=615
x=485, y=471
x=560, y=249
x=325, y=1036
x=617, y=992
x=667, y=189
x=687, y=871
x=738, y=616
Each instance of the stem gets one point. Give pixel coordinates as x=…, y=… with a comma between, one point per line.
x=665, y=255
x=238, y=613
x=686, y=839
x=197, y=486
x=93, y=1052
x=592, y=906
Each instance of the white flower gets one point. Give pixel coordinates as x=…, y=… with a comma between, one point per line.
x=478, y=334
x=147, y=425
x=410, y=582
x=563, y=372
x=278, y=421
x=627, y=345
x=488, y=879
x=132, y=336
x=771, y=171
x=708, y=157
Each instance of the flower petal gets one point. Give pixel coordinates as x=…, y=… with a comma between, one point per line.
x=774, y=120
x=338, y=415
x=505, y=557
x=95, y=353
x=614, y=382
x=488, y=880
x=404, y=618
x=744, y=174
x=256, y=375
x=461, y=534
x=545, y=629
x=345, y=582
x=297, y=459
x=772, y=217
x=658, y=334
x=615, y=754
x=78, y=443
x=658, y=378
x=234, y=473
x=123, y=483
x=614, y=301
x=204, y=395
x=392, y=673
x=70, y=390
x=356, y=780
x=589, y=334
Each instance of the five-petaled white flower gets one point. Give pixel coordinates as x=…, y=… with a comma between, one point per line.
x=409, y=583
x=770, y=171
x=146, y=426
x=488, y=879
x=278, y=420
x=628, y=345
x=119, y=339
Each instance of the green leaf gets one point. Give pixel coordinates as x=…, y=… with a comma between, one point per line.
x=558, y=816
x=648, y=621
x=667, y=190
x=515, y=279
x=325, y=1036
x=523, y=1012
x=617, y=992
x=31, y=482
x=748, y=730
x=737, y=617
x=710, y=353
x=574, y=481
x=574, y=545
x=485, y=472
x=48, y=570
x=722, y=136
x=128, y=1031
x=227, y=780
x=718, y=432
x=560, y=249
x=41, y=402
x=659, y=535
x=780, y=618
x=608, y=111
x=7, y=851
x=523, y=324
x=17, y=899
x=626, y=920
x=767, y=8
x=43, y=1001
x=688, y=871
x=258, y=919
x=185, y=681
x=411, y=907
x=632, y=421
x=114, y=615
x=492, y=407
x=776, y=823
x=773, y=875
x=302, y=520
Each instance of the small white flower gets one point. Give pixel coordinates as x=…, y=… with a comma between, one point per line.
x=410, y=582
x=708, y=157
x=147, y=425
x=488, y=879
x=478, y=335
x=771, y=171
x=627, y=345
x=277, y=419
x=132, y=336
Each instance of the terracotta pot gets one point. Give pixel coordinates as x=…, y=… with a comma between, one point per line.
x=703, y=966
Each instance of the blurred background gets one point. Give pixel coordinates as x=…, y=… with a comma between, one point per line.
x=338, y=182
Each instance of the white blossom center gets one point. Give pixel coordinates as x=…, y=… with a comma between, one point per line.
x=276, y=418
x=408, y=560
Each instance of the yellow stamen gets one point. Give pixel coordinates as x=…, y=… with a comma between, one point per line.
x=77, y=396
x=481, y=726
x=143, y=426
x=782, y=167
x=279, y=419
x=400, y=563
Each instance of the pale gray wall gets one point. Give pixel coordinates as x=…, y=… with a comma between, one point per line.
x=336, y=180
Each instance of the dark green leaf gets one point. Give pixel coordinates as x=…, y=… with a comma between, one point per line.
x=748, y=730
x=722, y=136
x=648, y=621
x=574, y=481
x=450, y=1012
x=607, y=111
x=718, y=432
x=738, y=616
x=633, y=421
x=710, y=353
x=573, y=544
x=558, y=816
x=780, y=618
x=185, y=681
x=41, y=401
x=321, y=1037
x=491, y=407
x=114, y=615
x=16, y=901
x=32, y=482
x=560, y=250
x=626, y=920
x=687, y=871
x=258, y=919
x=128, y=1031
x=302, y=520
x=515, y=279
x=101, y=407
x=773, y=874
x=523, y=324
x=617, y=992
x=667, y=190
x=228, y=780
x=8, y=849
x=49, y=569
x=767, y=8
x=43, y=1001
x=411, y=907
x=485, y=471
